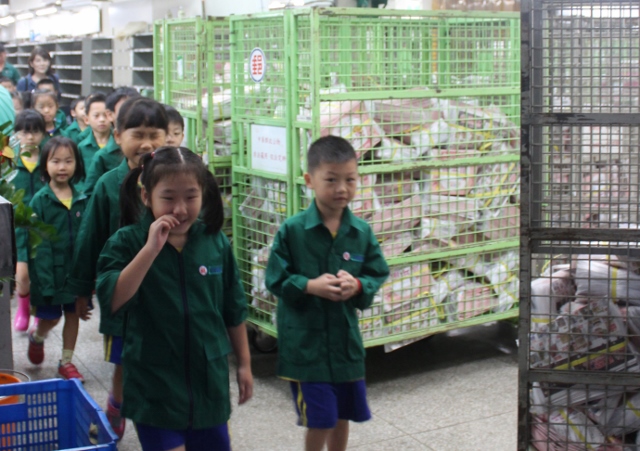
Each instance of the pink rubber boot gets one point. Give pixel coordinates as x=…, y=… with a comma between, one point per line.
x=21, y=322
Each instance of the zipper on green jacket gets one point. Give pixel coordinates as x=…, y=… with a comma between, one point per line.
x=187, y=337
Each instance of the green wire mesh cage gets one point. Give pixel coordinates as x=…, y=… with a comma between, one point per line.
x=430, y=102
x=192, y=74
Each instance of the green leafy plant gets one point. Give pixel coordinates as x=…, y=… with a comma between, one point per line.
x=23, y=214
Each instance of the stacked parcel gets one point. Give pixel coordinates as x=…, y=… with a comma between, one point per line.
x=585, y=316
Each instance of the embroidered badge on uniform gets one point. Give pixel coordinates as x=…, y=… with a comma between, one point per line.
x=346, y=256
x=78, y=214
x=203, y=270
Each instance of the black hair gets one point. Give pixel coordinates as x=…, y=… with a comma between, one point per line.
x=35, y=95
x=3, y=79
x=39, y=51
x=18, y=95
x=168, y=161
x=174, y=116
x=49, y=149
x=123, y=92
x=141, y=112
x=30, y=120
x=96, y=97
x=329, y=149
x=45, y=81
x=74, y=103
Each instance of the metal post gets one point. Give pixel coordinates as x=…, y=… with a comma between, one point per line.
x=7, y=269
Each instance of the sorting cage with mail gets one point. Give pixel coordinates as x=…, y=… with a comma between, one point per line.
x=580, y=254
x=192, y=74
x=430, y=102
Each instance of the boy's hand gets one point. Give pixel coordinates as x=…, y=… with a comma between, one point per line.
x=82, y=308
x=349, y=285
x=326, y=286
x=245, y=384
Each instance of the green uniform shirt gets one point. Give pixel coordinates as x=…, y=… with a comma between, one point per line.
x=47, y=136
x=11, y=72
x=7, y=112
x=319, y=340
x=102, y=220
x=53, y=261
x=88, y=149
x=31, y=183
x=83, y=135
x=176, y=373
x=61, y=121
x=106, y=159
x=72, y=132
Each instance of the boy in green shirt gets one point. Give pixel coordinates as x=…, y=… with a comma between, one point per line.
x=110, y=157
x=325, y=262
x=76, y=108
x=100, y=136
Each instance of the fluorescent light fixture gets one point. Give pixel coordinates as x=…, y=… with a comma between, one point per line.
x=46, y=11
x=8, y=20
x=25, y=16
x=605, y=11
x=276, y=5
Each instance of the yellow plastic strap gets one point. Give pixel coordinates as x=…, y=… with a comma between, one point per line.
x=574, y=428
x=633, y=408
x=614, y=277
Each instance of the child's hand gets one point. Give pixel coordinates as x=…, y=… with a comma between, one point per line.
x=326, y=286
x=82, y=308
x=245, y=384
x=159, y=232
x=349, y=285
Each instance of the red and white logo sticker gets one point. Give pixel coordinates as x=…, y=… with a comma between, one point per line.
x=257, y=65
x=203, y=270
x=346, y=256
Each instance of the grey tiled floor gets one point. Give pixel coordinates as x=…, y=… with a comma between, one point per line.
x=447, y=393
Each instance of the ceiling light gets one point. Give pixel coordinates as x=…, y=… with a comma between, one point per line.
x=25, y=16
x=46, y=11
x=8, y=20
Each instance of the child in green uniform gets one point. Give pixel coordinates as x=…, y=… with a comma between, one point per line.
x=60, y=205
x=46, y=103
x=325, y=263
x=141, y=128
x=47, y=84
x=110, y=156
x=76, y=109
x=175, y=274
x=100, y=136
x=30, y=130
x=175, y=136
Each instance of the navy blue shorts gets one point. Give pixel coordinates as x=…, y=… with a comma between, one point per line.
x=158, y=439
x=113, y=349
x=320, y=404
x=52, y=311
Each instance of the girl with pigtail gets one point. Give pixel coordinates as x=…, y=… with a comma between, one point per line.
x=173, y=272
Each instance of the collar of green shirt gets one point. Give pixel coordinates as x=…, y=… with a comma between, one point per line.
x=75, y=195
x=111, y=145
x=313, y=219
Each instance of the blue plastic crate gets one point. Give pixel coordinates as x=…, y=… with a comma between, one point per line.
x=53, y=415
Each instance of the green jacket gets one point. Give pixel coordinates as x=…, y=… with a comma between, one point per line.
x=83, y=135
x=47, y=136
x=106, y=159
x=11, y=72
x=31, y=182
x=176, y=373
x=102, y=220
x=88, y=148
x=53, y=262
x=319, y=340
x=72, y=132
x=61, y=121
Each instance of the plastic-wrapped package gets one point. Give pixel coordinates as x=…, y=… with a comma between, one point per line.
x=600, y=279
x=431, y=135
x=365, y=202
x=395, y=246
x=396, y=187
x=463, y=211
x=394, y=151
x=471, y=299
x=403, y=216
x=398, y=117
x=350, y=120
x=404, y=286
x=453, y=181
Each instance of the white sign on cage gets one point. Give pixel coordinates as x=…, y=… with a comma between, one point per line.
x=269, y=148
